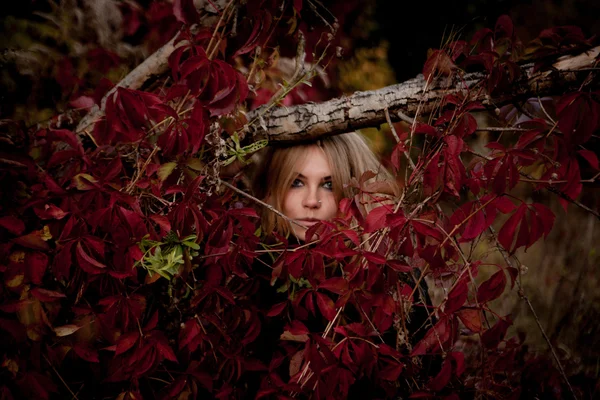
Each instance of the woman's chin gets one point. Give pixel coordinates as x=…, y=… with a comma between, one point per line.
x=300, y=233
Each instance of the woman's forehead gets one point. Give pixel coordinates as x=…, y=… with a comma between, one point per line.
x=313, y=162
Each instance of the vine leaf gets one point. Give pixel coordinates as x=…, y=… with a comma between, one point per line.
x=526, y=226
x=492, y=288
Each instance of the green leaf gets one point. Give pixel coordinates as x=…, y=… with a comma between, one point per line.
x=165, y=170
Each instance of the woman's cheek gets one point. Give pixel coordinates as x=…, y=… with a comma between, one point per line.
x=291, y=203
x=332, y=206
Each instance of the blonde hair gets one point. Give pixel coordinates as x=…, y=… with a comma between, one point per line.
x=275, y=172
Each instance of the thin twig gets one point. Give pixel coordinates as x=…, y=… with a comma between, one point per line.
x=535, y=316
x=300, y=56
x=577, y=203
x=206, y=334
x=214, y=35
x=262, y=203
x=501, y=129
x=61, y=378
x=546, y=112
x=131, y=186
x=389, y=121
x=405, y=117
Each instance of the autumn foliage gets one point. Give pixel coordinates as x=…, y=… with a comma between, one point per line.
x=130, y=271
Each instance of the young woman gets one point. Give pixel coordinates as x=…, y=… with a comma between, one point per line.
x=306, y=181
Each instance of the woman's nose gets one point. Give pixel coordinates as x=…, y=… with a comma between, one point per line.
x=311, y=199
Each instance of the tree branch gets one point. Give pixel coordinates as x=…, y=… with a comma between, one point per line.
x=367, y=109
x=155, y=65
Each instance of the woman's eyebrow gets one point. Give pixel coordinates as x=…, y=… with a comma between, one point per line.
x=326, y=178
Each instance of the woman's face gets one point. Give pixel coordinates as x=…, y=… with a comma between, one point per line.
x=310, y=198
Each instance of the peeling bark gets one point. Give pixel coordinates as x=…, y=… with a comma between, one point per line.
x=367, y=109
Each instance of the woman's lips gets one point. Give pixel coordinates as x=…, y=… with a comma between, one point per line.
x=308, y=222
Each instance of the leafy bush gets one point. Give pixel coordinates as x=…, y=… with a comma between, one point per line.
x=132, y=270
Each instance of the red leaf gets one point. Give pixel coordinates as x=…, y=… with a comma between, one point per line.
x=133, y=106
x=188, y=334
x=507, y=233
x=427, y=230
x=298, y=6
x=50, y=211
x=492, y=288
x=421, y=395
x=374, y=258
x=476, y=223
x=185, y=11
x=590, y=157
x=35, y=267
x=459, y=359
x=61, y=157
x=193, y=64
x=326, y=306
x=391, y=372
x=433, y=175
x=352, y=235
x=165, y=350
x=113, y=169
x=376, y=218
x=493, y=336
x=504, y=205
x=68, y=137
x=513, y=273
x=162, y=222
x=32, y=240
x=397, y=156
x=297, y=328
x=310, y=303
x=260, y=26
x=546, y=217
x=464, y=126
x=46, y=295
x=398, y=266
x=438, y=63
x=426, y=129
x=578, y=116
x=436, y=335
x=86, y=353
x=88, y=263
x=456, y=297
x=14, y=306
x=152, y=322
x=471, y=318
x=126, y=342
x=204, y=379
x=277, y=309
x=12, y=224
x=443, y=377
x=336, y=285
x=504, y=27
x=570, y=172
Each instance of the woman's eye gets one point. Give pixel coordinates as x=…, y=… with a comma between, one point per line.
x=328, y=185
x=297, y=183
